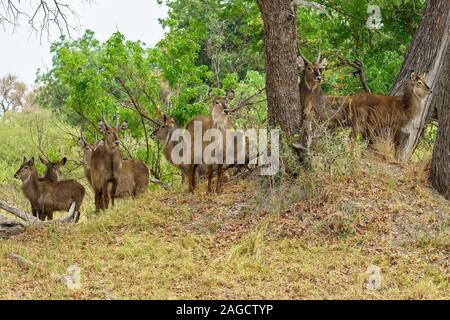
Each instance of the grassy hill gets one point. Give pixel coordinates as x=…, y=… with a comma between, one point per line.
x=315, y=236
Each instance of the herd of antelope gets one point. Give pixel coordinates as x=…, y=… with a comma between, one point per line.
x=112, y=177
x=366, y=113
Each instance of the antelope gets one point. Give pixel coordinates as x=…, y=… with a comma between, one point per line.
x=106, y=164
x=51, y=174
x=370, y=112
x=134, y=175
x=217, y=120
x=330, y=110
x=48, y=196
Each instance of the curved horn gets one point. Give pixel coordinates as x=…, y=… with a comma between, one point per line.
x=104, y=120
x=82, y=134
x=303, y=57
x=116, y=119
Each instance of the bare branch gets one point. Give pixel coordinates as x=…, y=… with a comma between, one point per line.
x=313, y=5
x=40, y=15
x=247, y=101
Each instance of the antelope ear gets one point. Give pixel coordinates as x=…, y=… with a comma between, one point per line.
x=24, y=159
x=31, y=162
x=301, y=64
x=102, y=126
x=44, y=162
x=63, y=161
x=165, y=118
x=124, y=126
x=230, y=95
x=211, y=93
x=413, y=75
x=323, y=64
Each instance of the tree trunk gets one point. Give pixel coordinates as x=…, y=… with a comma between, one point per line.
x=440, y=166
x=425, y=55
x=280, y=49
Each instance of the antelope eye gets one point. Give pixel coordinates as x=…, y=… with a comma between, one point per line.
x=163, y=126
x=25, y=167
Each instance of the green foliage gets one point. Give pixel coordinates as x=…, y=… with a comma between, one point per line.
x=216, y=44
x=26, y=135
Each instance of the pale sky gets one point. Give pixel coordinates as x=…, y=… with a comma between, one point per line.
x=22, y=53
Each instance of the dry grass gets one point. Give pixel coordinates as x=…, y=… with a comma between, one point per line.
x=314, y=237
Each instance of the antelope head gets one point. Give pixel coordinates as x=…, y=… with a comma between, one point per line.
x=53, y=168
x=26, y=170
x=312, y=72
x=419, y=87
x=111, y=133
x=163, y=132
x=219, y=109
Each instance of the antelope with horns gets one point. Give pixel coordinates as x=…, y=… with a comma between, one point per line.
x=47, y=197
x=134, y=175
x=329, y=110
x=370, y=113
x=106, y=164
x=217, y=120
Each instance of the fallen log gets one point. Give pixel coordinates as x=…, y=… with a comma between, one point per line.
x=9, y=227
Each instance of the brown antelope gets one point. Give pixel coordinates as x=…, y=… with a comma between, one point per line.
x=217, y=120
x=134, y=175
x=88, y=151
x=48, y=196
x=329, y=110
x=370, y=112
x=106, y=164
x=51, y=174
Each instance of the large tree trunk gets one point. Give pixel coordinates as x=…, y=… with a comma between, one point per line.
x=425, y=55
x=280, y=48
x=440, y=167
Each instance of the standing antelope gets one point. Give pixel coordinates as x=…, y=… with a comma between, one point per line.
x=106, y=164
x=48, y=196
x=134, y=175
x=51, y=174
x=370, y=112
x=330, y=110
x=217, y=120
